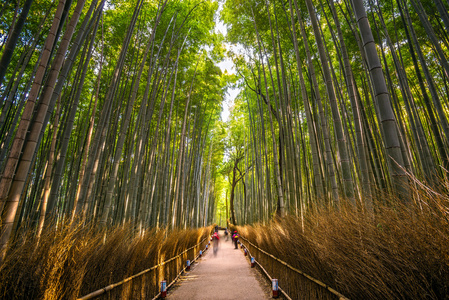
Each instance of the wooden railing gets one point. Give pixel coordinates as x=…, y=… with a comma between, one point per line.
x=293, y=283
x=146, y=284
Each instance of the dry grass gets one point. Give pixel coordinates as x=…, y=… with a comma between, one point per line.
x=400, y=253
x=73, y=261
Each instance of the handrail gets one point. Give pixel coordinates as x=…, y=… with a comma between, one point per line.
x=114, y=285
x=336, y=293
x=182, y=271
x=266, y=273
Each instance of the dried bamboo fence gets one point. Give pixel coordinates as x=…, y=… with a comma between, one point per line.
x=146, y=284
x=295, y=283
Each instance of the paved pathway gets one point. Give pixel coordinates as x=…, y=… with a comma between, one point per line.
x=227, y=275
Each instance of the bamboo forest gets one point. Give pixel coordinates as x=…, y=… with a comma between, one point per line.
x=316, y=129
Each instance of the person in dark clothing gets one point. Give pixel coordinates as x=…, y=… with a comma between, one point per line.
x=235, y=238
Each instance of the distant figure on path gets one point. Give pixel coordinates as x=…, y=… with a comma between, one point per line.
x=235, y=238
x=226, y=234
x=216, y=239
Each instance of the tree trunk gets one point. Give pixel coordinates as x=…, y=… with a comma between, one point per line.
x=9, y=200
x=12, y=40
x=387, y=118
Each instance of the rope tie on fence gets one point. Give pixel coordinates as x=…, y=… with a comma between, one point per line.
x=320, y=283
x=114, y=285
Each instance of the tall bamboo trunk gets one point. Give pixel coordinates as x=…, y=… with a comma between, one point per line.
x=341, y=139
x=324, y=125
x=386, y=115
x=310, y=122
x=271, y=111
x=366, y=189
x=124, y=127
x=98, y=141
x=9, y=200
x=13, y=38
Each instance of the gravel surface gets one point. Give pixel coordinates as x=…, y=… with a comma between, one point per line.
x=226, y=275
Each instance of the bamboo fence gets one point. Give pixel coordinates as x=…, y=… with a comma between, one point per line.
x=146, y=284
x=295, y=283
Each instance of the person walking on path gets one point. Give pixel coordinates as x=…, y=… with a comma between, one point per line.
x=235, y=238
x=216, y=240
x=226, y=234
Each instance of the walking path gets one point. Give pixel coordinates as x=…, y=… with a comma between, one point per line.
x=226, y=275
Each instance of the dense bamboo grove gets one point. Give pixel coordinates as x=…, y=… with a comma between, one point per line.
x=108, y=110
x=340, y=100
